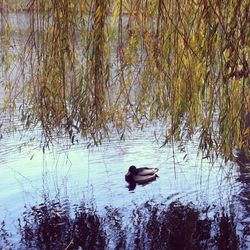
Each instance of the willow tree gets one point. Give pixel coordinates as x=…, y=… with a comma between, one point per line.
x=92, y=66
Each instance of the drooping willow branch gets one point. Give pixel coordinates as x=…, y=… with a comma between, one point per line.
x=97, y=65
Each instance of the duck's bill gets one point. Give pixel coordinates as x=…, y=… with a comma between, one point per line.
x=127, y=174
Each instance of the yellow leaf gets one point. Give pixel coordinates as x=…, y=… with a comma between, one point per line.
x=6, y=99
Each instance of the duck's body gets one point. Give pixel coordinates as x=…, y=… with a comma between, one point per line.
x=141, y=175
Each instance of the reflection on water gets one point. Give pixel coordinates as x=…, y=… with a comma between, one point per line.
x=148, y=226
x=243, y=198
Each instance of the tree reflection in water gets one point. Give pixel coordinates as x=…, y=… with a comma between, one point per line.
x=244, y=179
x=56, y=225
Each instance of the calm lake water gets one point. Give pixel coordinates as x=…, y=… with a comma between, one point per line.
x=95, y=175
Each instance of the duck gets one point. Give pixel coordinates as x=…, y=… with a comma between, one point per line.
x=141, y=175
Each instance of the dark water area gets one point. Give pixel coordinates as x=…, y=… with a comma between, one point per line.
x=52, y=225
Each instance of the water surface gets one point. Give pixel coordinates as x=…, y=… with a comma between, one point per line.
x=96, y=175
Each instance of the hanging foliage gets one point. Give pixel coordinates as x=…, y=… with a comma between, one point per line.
x=92, y=66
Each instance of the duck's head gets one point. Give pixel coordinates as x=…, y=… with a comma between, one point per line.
x=131, y=170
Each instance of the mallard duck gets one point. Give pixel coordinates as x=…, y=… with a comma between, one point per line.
x=141, y=175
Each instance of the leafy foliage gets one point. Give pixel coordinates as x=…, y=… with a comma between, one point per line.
x=97, y=65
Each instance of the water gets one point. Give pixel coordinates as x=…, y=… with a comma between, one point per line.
x=96, y=175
